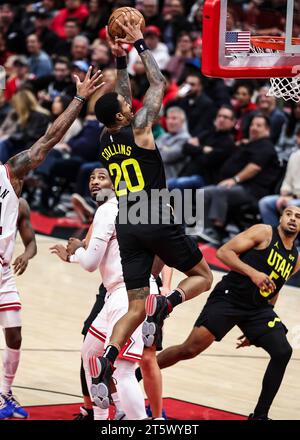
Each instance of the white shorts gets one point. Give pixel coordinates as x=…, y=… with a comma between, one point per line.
x=116, y=305
x=10, y=304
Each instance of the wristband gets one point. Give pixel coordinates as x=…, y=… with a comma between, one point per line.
x=80, y=99
x=121, y=63
x=140, y=45
x=236, y=179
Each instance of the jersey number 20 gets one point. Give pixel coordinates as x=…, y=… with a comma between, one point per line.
x=120, y=173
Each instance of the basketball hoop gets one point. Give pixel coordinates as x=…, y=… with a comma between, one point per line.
x=286, y=88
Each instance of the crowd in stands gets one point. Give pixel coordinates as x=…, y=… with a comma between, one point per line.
x=226, y=136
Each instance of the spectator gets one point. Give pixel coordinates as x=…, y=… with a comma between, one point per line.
x=72, y=29
x=174, y=23
x=287, y=140
x=74, y=8
x=56, y=84
x=208, y=153
x=40, y=63
x=49, y=40
x=80, y=48
x=4, y=107
x=198, y=107
x=80, y=69
x=159, y=50
x=183, y=52
x=248, y=175
x=31, y=123
x=170, y=144
x=98, y=18
x=19, y=77
x=243, y=108
x=11, y=29
x=150, y=10
x=267, y=105
x=4, y=53
x=100, y=56
x=171, y=89
x=270, y=207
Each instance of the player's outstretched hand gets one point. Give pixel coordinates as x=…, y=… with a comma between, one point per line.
x=243, y=342
x=90, y=84
x=132, y=30
x=73, y=245
x=20, y=264
x=60, y=251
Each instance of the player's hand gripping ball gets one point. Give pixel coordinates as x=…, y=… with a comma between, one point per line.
x=115, y=30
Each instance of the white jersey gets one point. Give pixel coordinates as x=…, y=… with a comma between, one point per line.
x=9, y=209
x=110, y=266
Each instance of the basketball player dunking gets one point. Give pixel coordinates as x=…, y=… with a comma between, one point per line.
x=128, y=150
x=11, y=179
x=261, y=259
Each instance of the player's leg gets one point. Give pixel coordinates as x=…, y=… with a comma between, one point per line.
x=152, y=379
x=276, y=344
x=129, y=390
x=86, y=411
x=198, y=340
x=179, y=251
x=116, y=306
x=11, y=322
x=93, y=346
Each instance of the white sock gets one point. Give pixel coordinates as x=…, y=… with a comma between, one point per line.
x=100, y=414
x=129, y=390
x=11, y=359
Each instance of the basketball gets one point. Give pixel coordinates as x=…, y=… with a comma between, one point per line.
x=114, y=29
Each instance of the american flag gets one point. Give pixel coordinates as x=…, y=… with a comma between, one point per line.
x=237, y=42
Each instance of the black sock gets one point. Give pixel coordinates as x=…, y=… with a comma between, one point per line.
x=138, y=374
x=175, y=298
x=111, y=353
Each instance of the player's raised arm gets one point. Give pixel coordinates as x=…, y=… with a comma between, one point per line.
x=123, y=86
x=154, y=95
x=27, y=160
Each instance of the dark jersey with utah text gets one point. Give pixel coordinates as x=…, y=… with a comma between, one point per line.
x=275, y=261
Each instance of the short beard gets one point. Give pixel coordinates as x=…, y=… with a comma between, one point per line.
x=289, y=233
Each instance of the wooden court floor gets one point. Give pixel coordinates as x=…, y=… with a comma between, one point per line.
x=56, y=299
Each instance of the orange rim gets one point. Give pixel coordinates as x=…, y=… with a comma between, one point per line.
x=269, y=42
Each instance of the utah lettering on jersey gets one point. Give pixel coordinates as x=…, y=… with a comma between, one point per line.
x=280, y=264
x=112, y=150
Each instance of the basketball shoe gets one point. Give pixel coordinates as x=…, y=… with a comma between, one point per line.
x=6, y=410
x=84, y=414
x=157, y=309
x=17, y=410
x=101, y=370
x=262, y=417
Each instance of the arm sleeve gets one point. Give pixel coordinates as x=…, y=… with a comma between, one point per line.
x=91, y=257
x=103, y=229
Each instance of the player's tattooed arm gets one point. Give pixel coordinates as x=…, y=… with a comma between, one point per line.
x=123, y=85
x=154, y=95
x=141, y=293
x=27, y=160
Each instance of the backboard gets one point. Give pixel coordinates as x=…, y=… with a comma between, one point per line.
x=229, y=31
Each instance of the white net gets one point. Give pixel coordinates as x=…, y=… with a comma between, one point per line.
x=286, y=88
